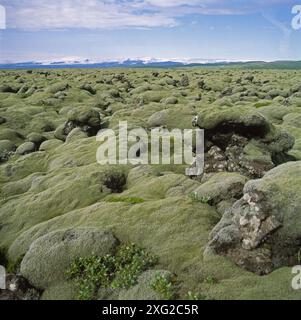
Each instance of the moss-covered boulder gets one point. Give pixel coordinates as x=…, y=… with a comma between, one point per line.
x=36, y=138
x=6, y=148
x=49, y=257
x=222, y=186
x=86, y=118
x=87, y=87
x=242, y=140
x=57, y=87
x=12, y=135
x=62, y=131
x=171, y=100
x=26, y=148
x=50, y=144
x=158, y=119
x=76, y=134
x=239, y=120
x=62, y=291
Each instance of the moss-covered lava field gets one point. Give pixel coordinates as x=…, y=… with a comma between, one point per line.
x=73, y=229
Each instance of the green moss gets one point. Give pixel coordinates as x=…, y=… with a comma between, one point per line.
x=62, y=187
x=129, y=200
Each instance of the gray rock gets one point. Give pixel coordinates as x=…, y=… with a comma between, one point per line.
x=184, y=82
x=18, y=288
x=262, y=230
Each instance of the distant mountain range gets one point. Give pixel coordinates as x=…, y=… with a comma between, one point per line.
x=151, y=63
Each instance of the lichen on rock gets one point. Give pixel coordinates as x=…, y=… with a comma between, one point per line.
x=262, y=230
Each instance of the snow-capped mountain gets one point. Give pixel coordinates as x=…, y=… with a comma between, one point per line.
x=73, y=62
x=78, y=62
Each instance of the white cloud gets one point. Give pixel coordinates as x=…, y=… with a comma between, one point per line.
x=172, y=3
x=88, y=14
x=109, y=14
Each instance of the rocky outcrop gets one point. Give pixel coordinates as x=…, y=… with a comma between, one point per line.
x=241, y=140
x=85, y=118
x=18, y=288
x=262, y=230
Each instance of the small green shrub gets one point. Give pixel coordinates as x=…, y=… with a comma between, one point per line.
x=164, y=287
x=195, y=296
x=116, y=271
x=211, y=280
x=195, y=197
x=130, y=200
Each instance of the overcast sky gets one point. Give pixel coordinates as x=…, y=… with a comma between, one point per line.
x=167, y=29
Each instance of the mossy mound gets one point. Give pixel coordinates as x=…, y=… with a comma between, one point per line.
x=49, y=257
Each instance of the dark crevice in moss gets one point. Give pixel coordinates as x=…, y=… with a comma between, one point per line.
x=115, y=180
x=238, y=128
x=3, y=258
x=281, y=158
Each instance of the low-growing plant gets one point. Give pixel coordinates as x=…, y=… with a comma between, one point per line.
x=164, y=287
x=195, y=197
x=116, y=271
x=195, y=296
x=210, y=280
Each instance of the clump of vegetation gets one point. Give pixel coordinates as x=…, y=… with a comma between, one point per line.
x=115, y=271
x=211, y=280
x=195, y=296
x=164, y=286
x=130, y=200
x=195, y=197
